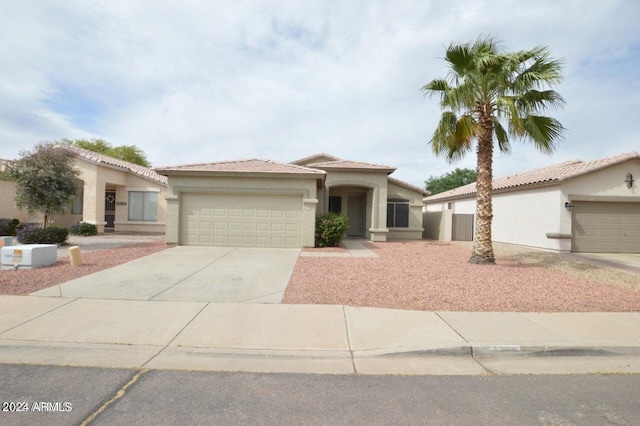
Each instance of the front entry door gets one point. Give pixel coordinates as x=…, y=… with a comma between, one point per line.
x=110, y=210
x=356, y=213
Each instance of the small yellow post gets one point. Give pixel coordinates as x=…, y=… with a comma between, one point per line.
x=75, y=256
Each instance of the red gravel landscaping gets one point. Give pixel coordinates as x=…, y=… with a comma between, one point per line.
x=428, y=276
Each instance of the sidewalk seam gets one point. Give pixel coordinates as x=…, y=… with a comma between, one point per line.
x=472, y=351
x=346, y=327
x=190, y=275
x=38, y=316
x=176, y=336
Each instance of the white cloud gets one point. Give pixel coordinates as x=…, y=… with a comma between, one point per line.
x=201, y=81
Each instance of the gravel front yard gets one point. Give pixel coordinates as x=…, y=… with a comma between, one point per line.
x=98, y=253
x=419, y=275
x=433, y=276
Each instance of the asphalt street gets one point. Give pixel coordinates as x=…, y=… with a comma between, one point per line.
x=140, y=397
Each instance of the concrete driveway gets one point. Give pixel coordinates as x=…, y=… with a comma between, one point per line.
x=191, y=274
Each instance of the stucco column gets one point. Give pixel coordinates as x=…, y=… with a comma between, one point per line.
x=173, y=219
x=378, y=228
x=309, y=221
x=93, y=203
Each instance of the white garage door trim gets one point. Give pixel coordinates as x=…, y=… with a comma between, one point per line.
x=606, y=227
x=241, y=220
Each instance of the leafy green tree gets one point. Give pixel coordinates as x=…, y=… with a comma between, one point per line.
x=451, y=180
x=46, y=180
x=130, y=153
x=491, y=93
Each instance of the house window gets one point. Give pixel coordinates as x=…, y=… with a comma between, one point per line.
x=78, y=202
x=397, y=213
x=143, y=206
x=335, y=204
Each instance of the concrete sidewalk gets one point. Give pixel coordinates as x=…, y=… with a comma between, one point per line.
x=311, y=338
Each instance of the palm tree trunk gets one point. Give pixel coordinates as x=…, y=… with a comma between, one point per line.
x=482, y=247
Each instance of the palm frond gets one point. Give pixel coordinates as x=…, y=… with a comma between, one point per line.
x=503, y=138
x=545, y=132
x=453, y=136
x=535, y=101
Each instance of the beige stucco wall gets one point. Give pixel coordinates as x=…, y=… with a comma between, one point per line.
x=95, y=180
x=375, y=186
x=98, y=179
x=537, y=217
x=606, y=183
x=8, y=209
x=414, y=231
x=304, y=186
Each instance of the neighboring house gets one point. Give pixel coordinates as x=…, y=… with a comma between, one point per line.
x=262, y=203
x=115, y=196
x=578, y=206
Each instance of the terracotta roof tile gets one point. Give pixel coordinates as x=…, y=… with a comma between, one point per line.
x=315, y=156
x=136, y=169
x=555, y=173
x=243, y=166
x=408, y=186
x=347, y=164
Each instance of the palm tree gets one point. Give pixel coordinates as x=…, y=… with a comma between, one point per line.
x=487, y=93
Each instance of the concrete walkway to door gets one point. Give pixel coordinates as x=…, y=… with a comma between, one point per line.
x=191, y=274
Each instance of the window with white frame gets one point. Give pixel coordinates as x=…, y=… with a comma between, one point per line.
x=397, y=213
x=143, y=206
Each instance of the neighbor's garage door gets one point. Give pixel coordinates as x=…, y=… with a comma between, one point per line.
x=241, y=220
x=606, y=227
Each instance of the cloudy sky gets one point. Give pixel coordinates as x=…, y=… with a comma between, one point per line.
x=201, y=81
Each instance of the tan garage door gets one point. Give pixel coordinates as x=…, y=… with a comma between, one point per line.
x=241, y=220
x=606, y=227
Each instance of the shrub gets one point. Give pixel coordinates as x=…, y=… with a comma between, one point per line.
x=8, y=227
x=29, y=234
x=330, y=228
x=85, y=229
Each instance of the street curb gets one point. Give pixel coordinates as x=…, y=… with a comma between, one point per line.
x=493, y=351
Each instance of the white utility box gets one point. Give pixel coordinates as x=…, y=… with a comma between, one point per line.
x=29, y=256
x=6, y=241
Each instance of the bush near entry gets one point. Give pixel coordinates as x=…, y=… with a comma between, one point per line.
x=330, y=229
x=8, y=227
x=29, y=234
x=84, y=229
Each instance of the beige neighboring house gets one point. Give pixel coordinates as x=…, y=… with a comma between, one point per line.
x=116, y=196
x=263, y=203
x=577, y=206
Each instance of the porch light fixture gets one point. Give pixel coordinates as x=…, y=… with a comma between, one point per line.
x=569, y=206
x=629, y=180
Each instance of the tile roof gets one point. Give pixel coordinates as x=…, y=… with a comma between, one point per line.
x=253, y=165
x=101, y=159
x=552, y=174
x=313, y=157
x=408, y=186
x=357, y=165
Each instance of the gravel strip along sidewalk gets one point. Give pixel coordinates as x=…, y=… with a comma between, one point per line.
x=435, y=276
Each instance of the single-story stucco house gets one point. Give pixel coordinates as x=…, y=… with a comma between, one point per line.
x=115, y=196
x=263, y=203
x=577, y=206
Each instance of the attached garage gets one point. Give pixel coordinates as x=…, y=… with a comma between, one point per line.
x=241, y=220
x=247, y=203
x=606, y=227
x=573, y=206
